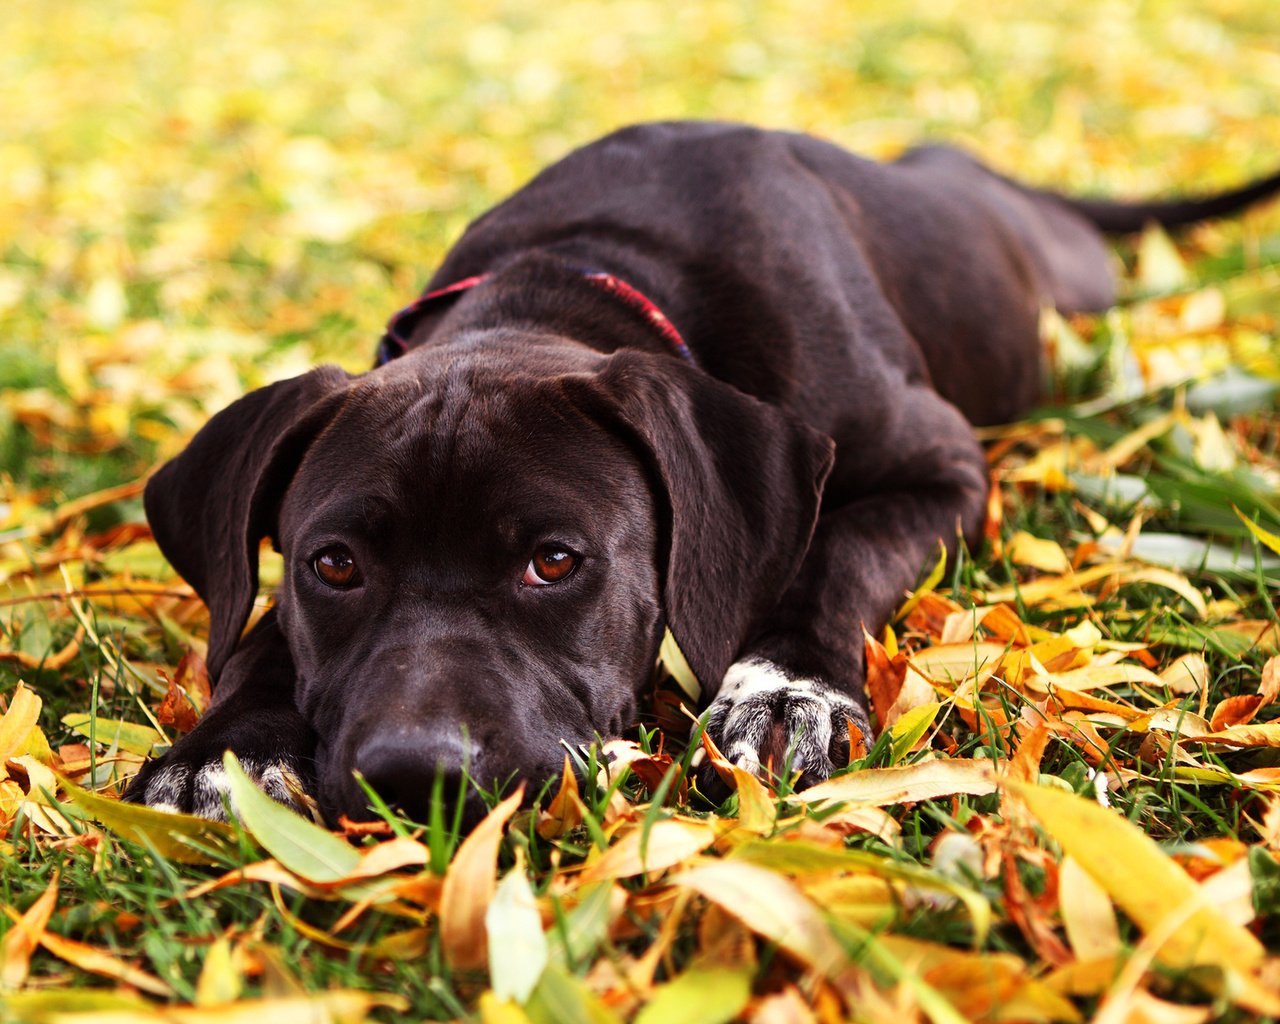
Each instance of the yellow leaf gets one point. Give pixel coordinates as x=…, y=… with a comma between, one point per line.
x=219, y=980
x=99, y=961
x=673, y=660
x=1266, y=734
x=879, y=787
x=18, y=721
x=21, y=940
x=1188, y=674
x=469, y=885
x=564, y=813
x=1142, y=880
x=496, y=1010
x=771, y=906
x=110, y=732
x=1045, y=555
x=1086, y=914
x=175, y=836
x=1160, y=267
x=1093, y=677
x=909, y=730
x=953, y=663
x=663, y=845
x=1265, y=537
x=757, y=811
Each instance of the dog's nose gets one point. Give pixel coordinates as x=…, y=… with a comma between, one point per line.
x=402, y=767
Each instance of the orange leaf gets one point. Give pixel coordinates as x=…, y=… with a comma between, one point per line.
x=188, y=694
x=24, y=936
x=564, y=813
x=1269, y=686
x=99, y=961
x=1025, y=763
x=1235, y=711
x=469, y=885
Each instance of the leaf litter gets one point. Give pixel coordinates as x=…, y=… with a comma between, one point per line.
x=1071, y=806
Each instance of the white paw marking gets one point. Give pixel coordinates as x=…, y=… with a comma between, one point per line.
x=757, y=696
x=209, y=789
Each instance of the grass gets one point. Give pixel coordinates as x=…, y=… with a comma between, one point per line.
x=194, y=202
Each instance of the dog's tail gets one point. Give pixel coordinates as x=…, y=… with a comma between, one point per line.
x=1119, y=218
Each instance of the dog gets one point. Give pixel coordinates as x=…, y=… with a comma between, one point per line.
x=695, y=376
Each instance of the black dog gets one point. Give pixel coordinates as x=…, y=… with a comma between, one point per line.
x=485, y=536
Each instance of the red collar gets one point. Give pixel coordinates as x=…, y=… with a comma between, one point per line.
x=395, y=341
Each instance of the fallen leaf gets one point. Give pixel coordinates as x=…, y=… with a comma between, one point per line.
x=662, y=845
x=771, y=906
x=1141, y=879
x=700, y=995
x=1087, y=915
x=518, y=951
x=21, y=940
x=469, y=885
x=928, y=780
x=302, y=846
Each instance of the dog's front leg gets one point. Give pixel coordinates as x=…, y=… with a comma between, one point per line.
x=789, y=696
x=253, y=715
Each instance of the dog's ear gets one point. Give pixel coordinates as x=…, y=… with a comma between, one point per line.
x=211, y=506
x=742, y=482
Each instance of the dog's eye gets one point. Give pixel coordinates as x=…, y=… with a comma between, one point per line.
x=549, y=564
x=336, y=568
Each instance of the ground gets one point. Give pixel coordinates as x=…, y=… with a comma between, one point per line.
x=1072, y=809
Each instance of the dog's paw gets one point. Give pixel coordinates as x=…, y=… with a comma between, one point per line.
x=201, y=789
x=763, y=720
x=274, y=748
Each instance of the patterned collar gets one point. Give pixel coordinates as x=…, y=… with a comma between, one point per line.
x=395, y=341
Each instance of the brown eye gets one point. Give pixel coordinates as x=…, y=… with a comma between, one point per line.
x=549, y=564
x=336, y=568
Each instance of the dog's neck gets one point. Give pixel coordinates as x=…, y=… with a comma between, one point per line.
x=407, y=326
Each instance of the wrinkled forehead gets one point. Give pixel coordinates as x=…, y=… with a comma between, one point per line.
x=470, y=439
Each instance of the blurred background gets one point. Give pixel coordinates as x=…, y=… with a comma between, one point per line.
x=197, y=198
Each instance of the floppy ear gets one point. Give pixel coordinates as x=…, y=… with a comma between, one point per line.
x=742, y=481
x=209, y=507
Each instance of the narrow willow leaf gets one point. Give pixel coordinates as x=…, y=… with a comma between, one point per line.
x=517, y=946
x=908, y=730
x=302, y=846
x=880, y=787
x=1142, y=880
x=178, y=837
x=469, y=885
x=706, y=995
x=110, y=732
x=771, y=906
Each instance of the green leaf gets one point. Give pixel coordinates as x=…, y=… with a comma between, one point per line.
x=708, y=995
x=585, y=927
x=177, y=837
x=111, y=732
x=908, y=729
x=673, y=660
x=518, y=951
x=303, y=847
x=560, y=998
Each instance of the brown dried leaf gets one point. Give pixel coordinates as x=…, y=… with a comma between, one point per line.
x=469, y=885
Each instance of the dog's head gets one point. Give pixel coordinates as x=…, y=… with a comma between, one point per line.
x=482, y=545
